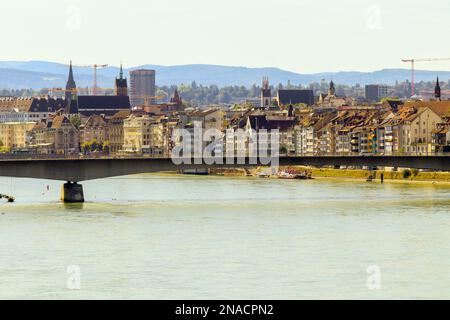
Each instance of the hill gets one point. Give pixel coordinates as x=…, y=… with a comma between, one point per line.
x=43, y=74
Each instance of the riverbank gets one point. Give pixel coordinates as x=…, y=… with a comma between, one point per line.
x=412, y=176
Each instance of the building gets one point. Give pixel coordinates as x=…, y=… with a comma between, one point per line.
x=105, y=130
x=14, y=134
x=441, y=138
x=308, y=133
x=24, y=109
x=287, y=97
x=121, y=85
x=102, y=105
x=144, y=135
x=95, y=128
x=410, y=131
x=332, y=101
x=71, y=93
x=56, y=136
x=209, y=118
x=266, y=94
x=376, y=92
x=97, y=104
x=115, y=130
x=142, y=85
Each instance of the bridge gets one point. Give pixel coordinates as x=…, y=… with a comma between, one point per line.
x=74, y=170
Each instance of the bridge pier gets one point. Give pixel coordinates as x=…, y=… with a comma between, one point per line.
x=72, y=192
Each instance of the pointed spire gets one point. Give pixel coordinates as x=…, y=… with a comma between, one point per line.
x=121, y=71
x=437, y=89
x=70, y=73
x=176, y=98
x=70, y=85
x=332, y=89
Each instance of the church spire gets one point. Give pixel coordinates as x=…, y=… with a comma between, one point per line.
x=70, y=85
x=121, y=85
x=121, y=72
x=70, y=81
x=332, y=89
x=437, y=90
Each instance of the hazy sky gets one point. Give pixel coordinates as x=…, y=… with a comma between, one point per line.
x=304, y=36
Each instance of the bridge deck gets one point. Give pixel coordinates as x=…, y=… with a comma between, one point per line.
x=82, y=169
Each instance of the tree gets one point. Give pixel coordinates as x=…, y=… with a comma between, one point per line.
x=106, y=147
x=94, y=145
x=86, y=147
x=76, y=121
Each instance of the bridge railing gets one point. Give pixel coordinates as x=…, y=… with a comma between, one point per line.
x=78, y=157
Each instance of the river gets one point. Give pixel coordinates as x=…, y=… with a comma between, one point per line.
x=191, y=237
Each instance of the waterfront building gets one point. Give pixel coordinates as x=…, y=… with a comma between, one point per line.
x=95, y=128
x=142, y=86
x=441, y=138
x=308, y=134
x=410, y=131
x=105, y=130
x=14, y=134
x=144, y=135
x=56, y=136
x=209, y=118
x=115, y=130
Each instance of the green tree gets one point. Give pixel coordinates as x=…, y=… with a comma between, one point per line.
x=76, y=121
x=106, y=147
x=94, y=145
x=86, y=147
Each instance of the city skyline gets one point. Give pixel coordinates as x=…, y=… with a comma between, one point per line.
x=198, y=32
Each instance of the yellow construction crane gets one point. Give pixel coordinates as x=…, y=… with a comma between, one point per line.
x=413, y=62
x=76, y=90
x=95, y=67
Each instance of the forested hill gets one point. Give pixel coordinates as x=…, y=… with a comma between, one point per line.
x=41, y=74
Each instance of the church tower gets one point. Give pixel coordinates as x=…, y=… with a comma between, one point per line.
x=332, y=90
x=266, y=94
x=176, y=99
x=437, y=90
x=71, y=93
x=121, y=85
x=71, y=87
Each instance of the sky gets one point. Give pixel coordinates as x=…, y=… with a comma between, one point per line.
x=304, y=36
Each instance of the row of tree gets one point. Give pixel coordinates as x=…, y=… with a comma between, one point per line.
x=95, y=146
x=199, y=95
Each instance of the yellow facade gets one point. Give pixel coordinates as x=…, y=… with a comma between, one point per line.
x=14, y=134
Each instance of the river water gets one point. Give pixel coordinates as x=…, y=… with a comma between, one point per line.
x=186, y=237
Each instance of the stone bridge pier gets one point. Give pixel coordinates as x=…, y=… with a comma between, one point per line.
x=72, y=192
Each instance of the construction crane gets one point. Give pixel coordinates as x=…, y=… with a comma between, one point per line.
x=75, y=91
x=95, y=67
x=413, y=62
